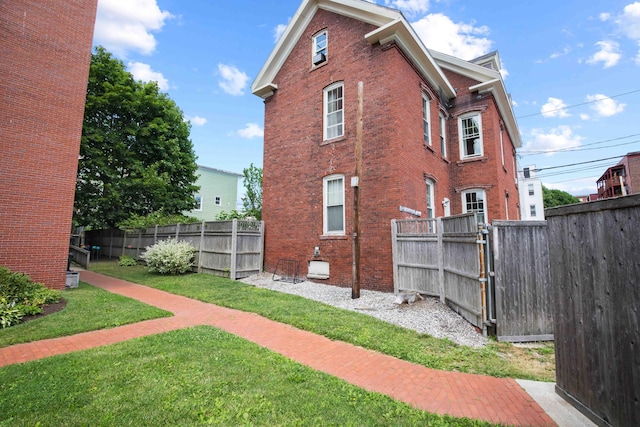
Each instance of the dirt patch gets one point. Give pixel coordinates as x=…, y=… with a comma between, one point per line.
x=47, y=309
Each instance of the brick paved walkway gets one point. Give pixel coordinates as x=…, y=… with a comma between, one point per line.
x=498, y=400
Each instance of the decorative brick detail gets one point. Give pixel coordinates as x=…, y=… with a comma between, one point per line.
x=44, y=65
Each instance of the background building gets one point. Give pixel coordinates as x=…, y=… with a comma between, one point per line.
x=530, y=190
x=44, y=66
x=621, y=179
x=218, y=193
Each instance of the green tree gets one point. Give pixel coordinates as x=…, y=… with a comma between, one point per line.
x=552, y=198
x=135, y=156
x=252, y=202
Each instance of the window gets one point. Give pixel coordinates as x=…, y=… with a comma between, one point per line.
x=470, y=136
x=426, y=129
x=532, y=208
x=198, y=202
x=443, y=136
x=333, y=192
x=319, y=52
x=527, y=173
x=430, y=205
x=474, y=201
x=333, y=111
x=218, y=201
x=531, y=190
x=501, y=146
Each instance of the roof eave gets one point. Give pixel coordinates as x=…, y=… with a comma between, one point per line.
x=497, y=89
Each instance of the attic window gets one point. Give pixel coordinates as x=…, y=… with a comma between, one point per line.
x=319, y=53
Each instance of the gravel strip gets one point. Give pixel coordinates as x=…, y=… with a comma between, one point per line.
x=427, y=316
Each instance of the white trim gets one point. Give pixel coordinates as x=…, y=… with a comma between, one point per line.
x=426, y=117
x=461, y=141
x=484, y=201
x=195, y=196
x=325, y=219
x=325, y=112
x=443, y=134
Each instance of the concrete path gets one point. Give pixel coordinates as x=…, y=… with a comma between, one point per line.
x=497, y=400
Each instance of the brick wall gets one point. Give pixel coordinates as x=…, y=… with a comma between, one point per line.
x=45, y=50
x=395, y=160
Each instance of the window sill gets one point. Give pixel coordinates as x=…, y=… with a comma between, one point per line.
x=472, y=160
x=334, y=237
x=315, y=67
x=333, y=140
x=444, y=159
x=428, y=147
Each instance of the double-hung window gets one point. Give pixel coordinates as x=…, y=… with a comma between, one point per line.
x=430, y=205
x=470, y=135
x=443, y=135
x=333, y=192
x=319, y=51
x=198, y=198
x=334, y=111
x=531, y=192
x=474, y=201
x=218, y=201
x=426, y=129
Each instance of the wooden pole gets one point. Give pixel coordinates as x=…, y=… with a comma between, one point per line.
x=355, y=289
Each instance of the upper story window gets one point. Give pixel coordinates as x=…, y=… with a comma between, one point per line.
x=474, y=201
x=198, y=202
x=426, y=128
x=218, y=201
x=333, y=201
x=532, y=210
x=333, y=111
x=531, y=190
x=319, y=52
x=470, y=126
x=443, y=135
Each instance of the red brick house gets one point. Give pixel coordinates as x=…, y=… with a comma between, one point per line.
x=361, y=116
x=45, y=52
x=621, y=179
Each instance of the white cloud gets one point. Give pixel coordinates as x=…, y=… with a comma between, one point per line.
x=584, y=116
x=554, y=107
x=144, y=72
x=412, y=7
x=578, y=187
x=278, y=31
x=251, y=130
x=196, y=120
x=629, y=21
x=123, y=26
x=558, y=138
x=609, y=54
x=604, y=16
x=233, y=81
x=604, y=105
x=440, y=33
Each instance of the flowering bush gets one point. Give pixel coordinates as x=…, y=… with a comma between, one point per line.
x=169, y=257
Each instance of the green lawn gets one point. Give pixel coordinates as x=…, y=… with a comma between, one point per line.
x=496, y=359
x=194, y=376
x=88, y=309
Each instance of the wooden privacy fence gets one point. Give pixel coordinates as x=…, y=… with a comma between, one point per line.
x=522, y=284
x=595, y=273
x=231, y=249
x=444, y=257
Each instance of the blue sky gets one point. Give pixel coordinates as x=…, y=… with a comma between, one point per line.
x=571, y=67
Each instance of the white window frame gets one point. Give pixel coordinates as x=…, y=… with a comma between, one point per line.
x=443, y=135
x=426, y=119
x=501, y=145
x=218, y=201
x=333, y=107
x=320, y=48
x=430, y=194
x=198, y=208
x=531, y=189
x=483, y=198
x=478, y=141
x=532, y=211
x=326, y=204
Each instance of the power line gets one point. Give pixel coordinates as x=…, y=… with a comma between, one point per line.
x=581, y=147
x=579, y=163
x=577, y=105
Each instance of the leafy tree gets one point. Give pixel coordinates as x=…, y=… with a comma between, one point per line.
x=552, y=198
x=252, y=203
x=136, y=158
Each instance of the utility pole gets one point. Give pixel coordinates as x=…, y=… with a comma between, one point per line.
x=355, y=183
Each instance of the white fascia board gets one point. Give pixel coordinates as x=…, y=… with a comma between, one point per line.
x=364, y=11
x=496, y=87
x=400, y=32
x=465, y=68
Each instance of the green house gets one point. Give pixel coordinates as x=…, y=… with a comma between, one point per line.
x=218, y=192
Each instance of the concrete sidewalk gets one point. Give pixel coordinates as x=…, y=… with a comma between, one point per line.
x=497, y=400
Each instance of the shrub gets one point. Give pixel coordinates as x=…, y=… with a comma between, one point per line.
x=20, y=297
x=169, y=257
x=127, y=261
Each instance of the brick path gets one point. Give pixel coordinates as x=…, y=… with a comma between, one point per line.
x=498, y=400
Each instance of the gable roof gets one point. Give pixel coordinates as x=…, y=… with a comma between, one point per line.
x=392, y=27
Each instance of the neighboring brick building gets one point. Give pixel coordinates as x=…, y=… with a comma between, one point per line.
x=621, y=179
x=45, y=51
x=438, y=137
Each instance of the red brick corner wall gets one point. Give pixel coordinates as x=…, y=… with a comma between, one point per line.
x=45, y=52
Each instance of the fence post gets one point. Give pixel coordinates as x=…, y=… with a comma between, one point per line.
x=261, y=247
x=394, y=255
x=234, y=249
x=200, y=247
x=177, y=231
x=155, y=235
x=138, y=244
x=439, y=233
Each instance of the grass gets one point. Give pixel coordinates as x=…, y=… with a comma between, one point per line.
x=194, y=376
x=495, y=359
x=88, y=308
